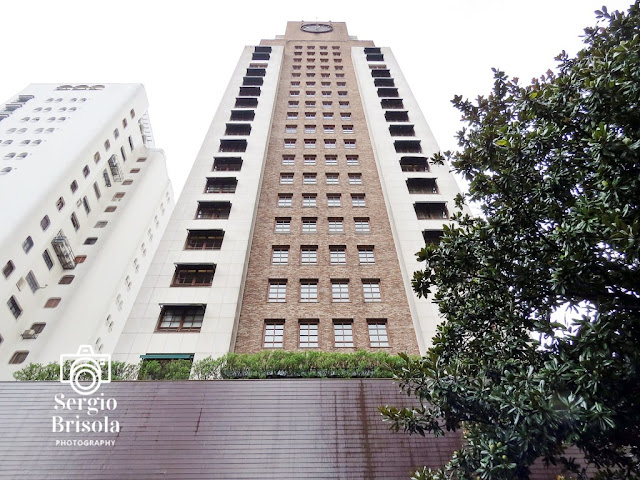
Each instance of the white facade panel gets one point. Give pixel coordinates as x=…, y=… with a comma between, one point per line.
x=407, y=229
x=223, y=297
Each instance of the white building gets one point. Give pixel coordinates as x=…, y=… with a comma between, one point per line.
x=84, y=200
x=299, y=222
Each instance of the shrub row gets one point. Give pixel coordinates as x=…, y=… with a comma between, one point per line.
x=265, y=364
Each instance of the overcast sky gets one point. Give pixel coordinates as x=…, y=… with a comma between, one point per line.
x=185, y=51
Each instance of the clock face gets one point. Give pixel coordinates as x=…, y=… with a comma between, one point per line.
x=316, y=27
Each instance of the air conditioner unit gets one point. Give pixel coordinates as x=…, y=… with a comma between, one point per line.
x=29, y=334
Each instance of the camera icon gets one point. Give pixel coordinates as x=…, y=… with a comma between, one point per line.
x=88, y=370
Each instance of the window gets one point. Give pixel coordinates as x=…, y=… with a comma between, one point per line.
x=309, y=160
x=38, y=327
x=19, y=357
x=365, y=255
x=414, y=164
x=294, y=93
x=285, y=199
x=329, y=143
x=283, y=225
x=309, y=255
x=355, y=179
x=73, y=186
x=326, y=93
x=193, y=275
x=13, y=305
x=332, y=178
x=331, y=160
x=118, y=196
x=47, y=259
x=181, y=318
x=86, y=171
x=293, y=104
x=290, y=129
x=85, y=204
x=378, y=336
x=327, y=104
x=345, y=115
x=289, y=143
x=333, y=200
x=74, y=222
x=310, y=104
x=309, y=129
x=309, y=291
x=277, y=291
x=309, y=225
x=91, y=240
x=361, y=225
x=340, y=291
x=309, y=179
x=66, y=279
x=309, y=115
x=52, y=302
x=371, y=290
x=280, y=255
x=96, y=190
x=347, y=129
x=309, y=200
x=336, y=225
x=32, y=281
x=8, y=269
x=273, y=333
x=310, y=93
x=204, y=240
x=107, y=145
x=288, y=159
x=358, y=200
x=344, y=104
x=292, y=115
x=286, y=179
x=338, y=254
x=349, y=144
x=80, y=259
x=431, y=210
x=27, y=244
x=343, y=333
x=308, y=333
x=213, y=210
x=110, y=209
x=352, y=160
x=60, y=203
x=309, y=143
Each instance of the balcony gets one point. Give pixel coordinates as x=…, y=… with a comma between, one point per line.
x=422, y=186
x=213, y=210
x=249, y=91
x=407, y=146
x=432, y=237
x=431, y=210
x=221, y=185
x=227, y=164
x=63, y=251
x=116, y=171
x=414, y=164
x=238, y=129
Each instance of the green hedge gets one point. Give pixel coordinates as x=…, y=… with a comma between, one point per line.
x=265, y=364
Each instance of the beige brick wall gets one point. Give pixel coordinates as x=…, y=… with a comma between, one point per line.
x=255, y=307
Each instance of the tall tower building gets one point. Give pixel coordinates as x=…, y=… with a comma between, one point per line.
x=85, y=198
x=299, y=222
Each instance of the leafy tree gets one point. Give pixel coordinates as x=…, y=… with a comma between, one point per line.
x=541, y=294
